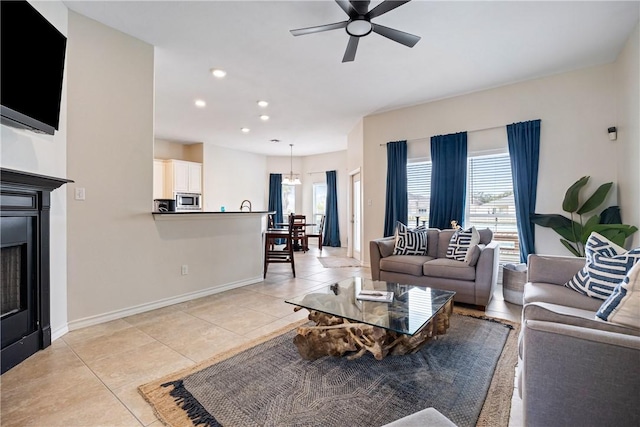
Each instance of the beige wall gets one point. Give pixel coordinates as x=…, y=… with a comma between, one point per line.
x=315, y=168
x=576, y=109
x=231, y=176
x=163, y=149
x=628, y=123
x=121, y=261
x=47, y=155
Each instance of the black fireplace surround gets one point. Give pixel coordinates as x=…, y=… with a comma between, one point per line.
x=25, y=201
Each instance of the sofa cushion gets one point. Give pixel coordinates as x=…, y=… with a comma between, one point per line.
x=556, y=294
x=572, y=316
x=433, y=236
x=623, y=306
x=407, y=264
x=461, y=244
x=449, y=268
x=606, y=265
x=444, y=236
x=410, y=242
x=386, y=246
x=486, y=235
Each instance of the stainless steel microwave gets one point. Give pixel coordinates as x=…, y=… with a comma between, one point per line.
x=188, y=202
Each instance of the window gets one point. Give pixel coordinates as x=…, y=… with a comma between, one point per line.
x=319, y=203
x=418, y=192
x=288, y=199
x=490, y=202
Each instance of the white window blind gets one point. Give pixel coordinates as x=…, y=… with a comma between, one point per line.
x=490, y=203
x=418, y=192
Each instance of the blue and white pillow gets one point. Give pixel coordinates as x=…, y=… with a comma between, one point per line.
x=410, y=242
x=623, y=305
x=461, y=244
x=606, y=266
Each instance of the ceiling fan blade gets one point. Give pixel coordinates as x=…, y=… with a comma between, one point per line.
x=396, y=35
x=360, y=6
x=348, y=9
x=350, y=53
x=319, y=28
x=385, y=7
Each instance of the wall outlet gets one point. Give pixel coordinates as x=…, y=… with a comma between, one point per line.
x=184, y=270
x=79, y=195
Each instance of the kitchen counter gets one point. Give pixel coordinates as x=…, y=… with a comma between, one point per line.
x=186, y=215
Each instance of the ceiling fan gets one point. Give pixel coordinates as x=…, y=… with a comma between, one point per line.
x=359, y=25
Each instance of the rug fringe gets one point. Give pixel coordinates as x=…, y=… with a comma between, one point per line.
x=195, y=411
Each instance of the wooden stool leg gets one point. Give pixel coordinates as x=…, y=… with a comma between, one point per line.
x=266, y=255
x=293, y=264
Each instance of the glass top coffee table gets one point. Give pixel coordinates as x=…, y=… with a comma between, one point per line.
x=346, y=325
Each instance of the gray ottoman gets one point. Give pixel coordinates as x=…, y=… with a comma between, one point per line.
x=429, y=417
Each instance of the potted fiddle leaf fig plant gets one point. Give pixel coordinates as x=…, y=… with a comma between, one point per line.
x=575, y=231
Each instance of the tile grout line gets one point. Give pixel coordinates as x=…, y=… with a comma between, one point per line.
x=107, y=387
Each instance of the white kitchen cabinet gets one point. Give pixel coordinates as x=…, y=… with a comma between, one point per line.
x=158, y=179
x=195, y=178
x=183, y=177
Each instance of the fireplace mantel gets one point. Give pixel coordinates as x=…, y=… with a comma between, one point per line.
x=25, y=200
x=30, y=180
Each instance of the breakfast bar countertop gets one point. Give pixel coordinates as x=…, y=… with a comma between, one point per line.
x=186, y=215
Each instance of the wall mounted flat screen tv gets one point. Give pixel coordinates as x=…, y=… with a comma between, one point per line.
x=32, y=67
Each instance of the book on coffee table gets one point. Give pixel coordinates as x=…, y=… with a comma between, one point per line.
x=371, y=295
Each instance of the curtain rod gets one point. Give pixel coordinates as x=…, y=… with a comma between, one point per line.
x=429, y=138
x=311, y=173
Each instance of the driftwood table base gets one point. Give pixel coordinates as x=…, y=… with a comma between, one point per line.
x=335, y=336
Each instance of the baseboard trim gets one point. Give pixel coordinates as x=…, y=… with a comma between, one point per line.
x=119, y=314
x=59, y=332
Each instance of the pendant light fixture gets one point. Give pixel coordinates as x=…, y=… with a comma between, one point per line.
x=291, y=179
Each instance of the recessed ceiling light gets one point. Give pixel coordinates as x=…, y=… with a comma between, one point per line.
x=275, y=140
x=217, y=72
x=245, y=130
x=263, y=103
x=264, y=117
x=200, y=103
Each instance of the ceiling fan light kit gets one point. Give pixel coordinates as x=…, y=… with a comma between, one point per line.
x=360, y=25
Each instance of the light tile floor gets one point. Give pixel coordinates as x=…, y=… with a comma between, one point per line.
x=89, y=377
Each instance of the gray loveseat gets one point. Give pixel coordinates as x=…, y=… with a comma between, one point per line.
x=473, y=284
x=574, y=370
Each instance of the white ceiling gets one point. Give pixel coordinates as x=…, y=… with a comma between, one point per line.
x=315, y=99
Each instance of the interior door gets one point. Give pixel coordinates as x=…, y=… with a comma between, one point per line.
x=356, y=215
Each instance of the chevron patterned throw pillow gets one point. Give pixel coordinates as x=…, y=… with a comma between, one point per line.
x=410, y=242
x=606, y=266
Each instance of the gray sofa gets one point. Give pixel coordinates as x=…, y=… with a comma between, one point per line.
x=574, y=370
x=473, y=284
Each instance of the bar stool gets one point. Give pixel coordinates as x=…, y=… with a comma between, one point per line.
x=273, y=255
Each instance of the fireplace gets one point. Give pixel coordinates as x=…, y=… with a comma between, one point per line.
x=24, y=264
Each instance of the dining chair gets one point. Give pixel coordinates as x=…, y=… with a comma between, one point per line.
x=319, y=233
x=274, y=255
x=271, y=224
x=300, y=232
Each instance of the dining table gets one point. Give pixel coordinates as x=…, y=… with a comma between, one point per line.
x=297, y=226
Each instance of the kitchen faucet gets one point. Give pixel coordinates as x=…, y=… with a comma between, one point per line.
x=243, y=206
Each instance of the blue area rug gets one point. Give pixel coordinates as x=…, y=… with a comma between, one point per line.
x=270, y=385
